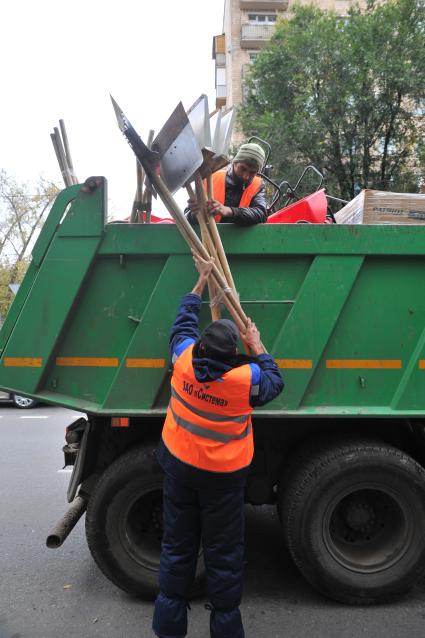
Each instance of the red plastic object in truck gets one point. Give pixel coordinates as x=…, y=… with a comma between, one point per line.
x=154, y=219
x=310, y=209
x=161, y=220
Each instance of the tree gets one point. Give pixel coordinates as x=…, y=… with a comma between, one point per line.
x=347, y=94
x=10, y=274
x=22, y=211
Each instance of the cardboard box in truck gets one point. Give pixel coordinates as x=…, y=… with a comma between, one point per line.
x=381, y=207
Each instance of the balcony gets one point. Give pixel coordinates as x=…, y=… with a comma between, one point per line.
x=264, y=5
x=254, y=36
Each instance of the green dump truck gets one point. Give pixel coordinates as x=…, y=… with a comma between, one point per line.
x=341, y=451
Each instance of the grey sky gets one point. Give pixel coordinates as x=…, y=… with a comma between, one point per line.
x=61, y=60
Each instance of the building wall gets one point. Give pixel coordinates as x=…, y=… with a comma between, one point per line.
x=243, y=38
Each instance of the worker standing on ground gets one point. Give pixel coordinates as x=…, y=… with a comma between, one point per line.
x=205, y=451
x=238, y=192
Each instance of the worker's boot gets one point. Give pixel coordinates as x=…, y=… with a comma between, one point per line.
x=226, y=623
x=170, y=617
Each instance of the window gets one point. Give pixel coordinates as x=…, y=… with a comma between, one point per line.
x=221, y=92
x=220, y=76
x=252, y=55
x=261, y=18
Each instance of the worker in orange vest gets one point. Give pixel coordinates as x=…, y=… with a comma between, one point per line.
x=238, y=192
x=205, y=451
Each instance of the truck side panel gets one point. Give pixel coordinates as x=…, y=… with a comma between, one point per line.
x=341, y=308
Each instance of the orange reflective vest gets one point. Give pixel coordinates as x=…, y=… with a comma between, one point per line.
x=208, y=425
x=219, y=190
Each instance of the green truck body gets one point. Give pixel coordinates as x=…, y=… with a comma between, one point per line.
x=341, y=450
x=341, y=308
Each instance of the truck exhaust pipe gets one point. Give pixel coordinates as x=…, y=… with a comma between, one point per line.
x=67, y=523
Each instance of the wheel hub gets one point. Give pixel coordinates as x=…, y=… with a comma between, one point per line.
x=141, y=528
x=366, y=530
x=360, y=516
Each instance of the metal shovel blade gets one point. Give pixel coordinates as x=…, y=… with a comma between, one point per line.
x=199, y=119
x=212, y=162
x=147, y=158
x=178, y=149
x=223, y=132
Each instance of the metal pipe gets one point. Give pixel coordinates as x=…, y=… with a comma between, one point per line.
x=67, y=523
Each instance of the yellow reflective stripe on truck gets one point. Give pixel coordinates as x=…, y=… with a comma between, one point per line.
x=109, y=362
x=145, y=363
x=377, y=364
x=22, y=362
x=114, y=362
x=90, y=362
x=294, y=363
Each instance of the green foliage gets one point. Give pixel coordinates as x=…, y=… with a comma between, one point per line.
x=22, y=212
x=347, y=94
x=10, y=273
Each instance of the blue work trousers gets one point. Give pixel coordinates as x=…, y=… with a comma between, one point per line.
x=215, y=518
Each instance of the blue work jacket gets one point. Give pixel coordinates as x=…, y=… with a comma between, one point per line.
x=266, y=384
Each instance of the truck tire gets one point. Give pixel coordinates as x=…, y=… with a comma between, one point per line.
x=353, y=515
x=124, y=523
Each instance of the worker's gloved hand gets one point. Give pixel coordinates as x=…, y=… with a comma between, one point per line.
x=252, y=338
x=216, y=208
x=194, y=206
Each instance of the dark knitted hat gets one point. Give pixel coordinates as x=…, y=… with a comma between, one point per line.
x=251, y=153
x=220, y=338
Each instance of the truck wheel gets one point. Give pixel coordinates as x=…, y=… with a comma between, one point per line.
x=353, y=514
x=124, y=523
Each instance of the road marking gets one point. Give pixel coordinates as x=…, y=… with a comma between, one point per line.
x=34, y=417
x=65, y=471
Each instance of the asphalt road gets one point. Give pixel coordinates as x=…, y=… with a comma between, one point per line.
x=61, y=593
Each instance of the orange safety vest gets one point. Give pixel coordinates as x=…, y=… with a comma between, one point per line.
x=219, y=190
x=208, y=425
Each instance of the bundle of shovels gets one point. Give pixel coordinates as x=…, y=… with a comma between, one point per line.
x=63, y=154
x=185, y=153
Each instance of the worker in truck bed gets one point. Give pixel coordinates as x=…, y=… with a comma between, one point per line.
x=238, y=192
x=205, y=451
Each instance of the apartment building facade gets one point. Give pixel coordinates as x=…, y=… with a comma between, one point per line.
x=247, y=26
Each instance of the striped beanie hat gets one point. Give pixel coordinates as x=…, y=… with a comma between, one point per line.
x=251, y=153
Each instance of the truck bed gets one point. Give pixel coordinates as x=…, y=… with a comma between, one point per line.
x=341, y=308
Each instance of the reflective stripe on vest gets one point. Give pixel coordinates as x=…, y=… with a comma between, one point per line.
x=219, y=190
x=213, y=435
x=211, y=416
x=208, y=425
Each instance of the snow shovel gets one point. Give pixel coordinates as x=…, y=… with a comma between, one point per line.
x=215, y=157
x=150, y=161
